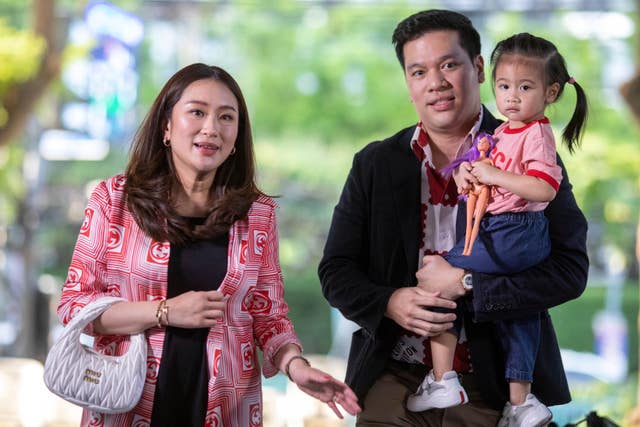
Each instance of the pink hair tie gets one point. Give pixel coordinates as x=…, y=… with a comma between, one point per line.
x=571, y=80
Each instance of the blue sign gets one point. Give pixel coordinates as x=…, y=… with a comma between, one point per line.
x=105, y=19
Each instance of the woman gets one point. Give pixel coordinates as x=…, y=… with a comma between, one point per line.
x=188, y=239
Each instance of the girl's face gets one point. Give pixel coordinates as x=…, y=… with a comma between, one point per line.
x=521, y=94
x=202, y=129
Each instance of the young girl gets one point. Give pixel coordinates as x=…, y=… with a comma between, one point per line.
x=528, y=74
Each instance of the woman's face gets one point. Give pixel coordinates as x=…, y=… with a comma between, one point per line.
x=202, y=129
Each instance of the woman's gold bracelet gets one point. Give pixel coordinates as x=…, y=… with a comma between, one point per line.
x=288, y=365
x=162, y=310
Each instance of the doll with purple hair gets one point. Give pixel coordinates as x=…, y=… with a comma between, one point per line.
x=477, y=194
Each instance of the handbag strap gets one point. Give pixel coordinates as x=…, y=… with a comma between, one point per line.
x=91, y=311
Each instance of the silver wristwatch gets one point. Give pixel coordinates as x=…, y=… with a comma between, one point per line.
x=467, y=281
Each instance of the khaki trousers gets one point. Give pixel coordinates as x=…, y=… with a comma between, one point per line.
x=385, y=402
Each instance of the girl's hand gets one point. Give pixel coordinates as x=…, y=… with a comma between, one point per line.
x=324, y=387
x=485, y=172
x=196, y=309
x=463, y=177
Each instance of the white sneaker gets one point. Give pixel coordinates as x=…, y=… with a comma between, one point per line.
x=437, y=394
x=532, y=413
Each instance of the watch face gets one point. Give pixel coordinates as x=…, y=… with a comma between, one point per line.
x=467, y=281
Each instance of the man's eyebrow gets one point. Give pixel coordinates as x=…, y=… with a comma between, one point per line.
x=443, y=58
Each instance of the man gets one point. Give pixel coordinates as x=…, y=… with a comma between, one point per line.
x=395, y=209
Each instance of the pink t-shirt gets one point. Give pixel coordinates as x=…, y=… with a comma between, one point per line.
x=529, y=150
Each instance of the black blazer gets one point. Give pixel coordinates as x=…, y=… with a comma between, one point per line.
x=372, y=249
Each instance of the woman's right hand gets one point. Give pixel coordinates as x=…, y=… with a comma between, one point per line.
x=196, y=309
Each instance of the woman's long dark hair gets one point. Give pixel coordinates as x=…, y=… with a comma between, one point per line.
x=151, y=177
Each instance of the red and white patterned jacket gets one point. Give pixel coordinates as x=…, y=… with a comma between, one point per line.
x=113, y=256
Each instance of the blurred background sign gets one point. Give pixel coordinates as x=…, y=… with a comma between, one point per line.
x=58, y=144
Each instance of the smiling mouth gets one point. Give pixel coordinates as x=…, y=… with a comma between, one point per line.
x=442, y=98
x=206, y=146
x=442, y=102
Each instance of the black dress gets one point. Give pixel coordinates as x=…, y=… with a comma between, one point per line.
x=181, y=390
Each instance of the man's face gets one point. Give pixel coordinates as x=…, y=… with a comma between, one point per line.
x=443, y=82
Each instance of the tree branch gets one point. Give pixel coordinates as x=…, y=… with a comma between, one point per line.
x=20, y=100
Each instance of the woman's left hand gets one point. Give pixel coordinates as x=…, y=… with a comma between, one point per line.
x=325, y=388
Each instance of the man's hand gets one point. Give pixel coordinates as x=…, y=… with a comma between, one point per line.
x=409, y=308
x=437, y=275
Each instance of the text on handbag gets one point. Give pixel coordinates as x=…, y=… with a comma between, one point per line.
x=92, y=376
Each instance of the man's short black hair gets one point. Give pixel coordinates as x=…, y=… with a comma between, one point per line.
x=427, y=21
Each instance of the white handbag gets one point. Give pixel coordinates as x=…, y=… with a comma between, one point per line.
x=102, y=383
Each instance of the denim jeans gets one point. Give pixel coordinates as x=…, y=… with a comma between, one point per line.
x=507, y=243
x=520, y=340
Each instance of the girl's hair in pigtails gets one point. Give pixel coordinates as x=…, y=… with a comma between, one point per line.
x=555, y=71
x=572, y=133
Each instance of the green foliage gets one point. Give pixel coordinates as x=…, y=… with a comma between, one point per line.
x=613, y=401
x=605, y=178
x=14, y=12
x=62, y=207
x=329, y=72
x=573, y=320
x=20, y=54
x=307, y=175
x=309, y=311
x=12, y=185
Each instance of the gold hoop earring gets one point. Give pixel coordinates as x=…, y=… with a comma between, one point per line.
x=233, y=151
